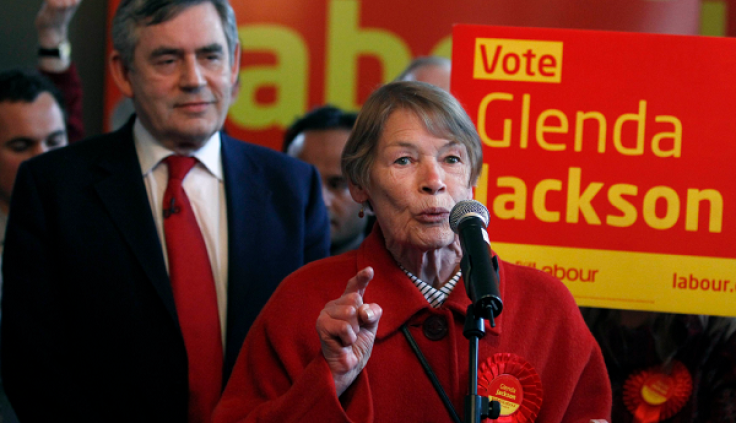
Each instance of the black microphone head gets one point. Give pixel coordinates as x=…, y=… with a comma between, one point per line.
x=467, y=208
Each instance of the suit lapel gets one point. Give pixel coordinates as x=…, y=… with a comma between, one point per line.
x=123, y=194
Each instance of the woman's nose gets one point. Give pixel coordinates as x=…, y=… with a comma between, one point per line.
x=432, y=181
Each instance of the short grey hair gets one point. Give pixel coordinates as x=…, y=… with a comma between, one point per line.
x=421, y=62
x=132, y=14
x=441, y=114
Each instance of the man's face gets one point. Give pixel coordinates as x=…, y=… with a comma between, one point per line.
x=323, y=148
x=27, y=130
x=181, y=78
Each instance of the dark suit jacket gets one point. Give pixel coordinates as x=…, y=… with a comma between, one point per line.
x=89, y=327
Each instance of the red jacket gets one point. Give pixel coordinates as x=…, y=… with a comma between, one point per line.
x=281, y=375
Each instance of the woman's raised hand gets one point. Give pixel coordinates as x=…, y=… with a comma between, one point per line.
x=347, y=331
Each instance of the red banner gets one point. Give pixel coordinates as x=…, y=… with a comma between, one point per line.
x=301, y=54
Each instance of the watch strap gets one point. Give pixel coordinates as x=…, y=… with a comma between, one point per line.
x=63, y=51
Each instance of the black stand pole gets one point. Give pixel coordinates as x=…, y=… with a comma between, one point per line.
x=477, y=407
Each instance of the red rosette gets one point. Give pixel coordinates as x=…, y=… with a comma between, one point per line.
x=513, y=382
x=653, y=395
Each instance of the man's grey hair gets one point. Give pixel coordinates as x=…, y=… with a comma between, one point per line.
x=420, y=62
x=133, y=14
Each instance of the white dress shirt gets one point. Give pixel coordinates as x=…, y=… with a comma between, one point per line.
x=206, y=191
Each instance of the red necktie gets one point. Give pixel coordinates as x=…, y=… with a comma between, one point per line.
x=194, y=293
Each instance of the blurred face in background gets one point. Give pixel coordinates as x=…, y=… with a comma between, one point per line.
x=323, y=149
x=27, y=130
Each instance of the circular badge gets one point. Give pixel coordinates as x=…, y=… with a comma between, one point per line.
x=507, y=390
x=657, y=389
x=653, y=395
x=513, y=382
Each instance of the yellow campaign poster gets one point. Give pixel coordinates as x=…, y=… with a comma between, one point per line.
x=605, y=164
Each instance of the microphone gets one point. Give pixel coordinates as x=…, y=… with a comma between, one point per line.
x=469, y=219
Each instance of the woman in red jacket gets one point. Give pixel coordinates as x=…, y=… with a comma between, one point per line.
x=412, y=156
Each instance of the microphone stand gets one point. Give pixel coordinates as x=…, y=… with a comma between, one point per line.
x=479, y=268
x=477, y=407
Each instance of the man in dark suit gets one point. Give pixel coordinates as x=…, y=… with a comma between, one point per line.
x=93, y=325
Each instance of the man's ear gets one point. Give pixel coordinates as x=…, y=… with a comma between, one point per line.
x=120, y=74
x=235, y=66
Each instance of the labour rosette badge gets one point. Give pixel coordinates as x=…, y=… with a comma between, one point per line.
x=513, y=382
x=653, y=395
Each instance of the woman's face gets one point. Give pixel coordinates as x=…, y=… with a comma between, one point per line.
x=415, y=181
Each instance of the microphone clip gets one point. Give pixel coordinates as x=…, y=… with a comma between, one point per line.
x=172, y=209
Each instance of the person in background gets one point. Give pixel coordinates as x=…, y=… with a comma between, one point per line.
x=135, y=262
x=694, y=355
x=318, y=138
x=54, y=59
x=38, y=113
x=433, y=70
x=412, y=156
x=31, y=123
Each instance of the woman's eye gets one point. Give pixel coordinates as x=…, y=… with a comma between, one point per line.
x=452, y=159
x=402, y=161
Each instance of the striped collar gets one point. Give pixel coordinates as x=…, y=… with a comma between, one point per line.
x=435, y=297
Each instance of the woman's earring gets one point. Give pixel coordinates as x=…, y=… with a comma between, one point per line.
x=361, y=213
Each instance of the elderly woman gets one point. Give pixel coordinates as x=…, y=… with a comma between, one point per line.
x=412, y=156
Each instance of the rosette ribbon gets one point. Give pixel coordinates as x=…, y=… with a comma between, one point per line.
x=513, y=382
x=652, y=395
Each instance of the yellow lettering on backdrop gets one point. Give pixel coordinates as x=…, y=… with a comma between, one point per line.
x=580, y=119
x=615, y=197
x=346, y=42
x=512, y=205
x=483, y=112
x=715, y=199
x=556, y=121
x=676, y=136
x=580, y=203
x=525, y=105
x=443, y=48
x=672, y=212
x=481, y=187
x=639, y=118
x=288, y=76
x=543, y=127
x=539, y=200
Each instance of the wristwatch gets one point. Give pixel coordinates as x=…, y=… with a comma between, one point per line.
x=63, y=51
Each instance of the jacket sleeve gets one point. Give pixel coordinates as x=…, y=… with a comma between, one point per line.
x=592, y=399
x=279, y=378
